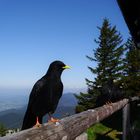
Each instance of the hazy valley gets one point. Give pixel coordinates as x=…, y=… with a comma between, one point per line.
x=13, y=107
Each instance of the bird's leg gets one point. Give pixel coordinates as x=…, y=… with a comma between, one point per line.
x=54, y=120
x=37, y=123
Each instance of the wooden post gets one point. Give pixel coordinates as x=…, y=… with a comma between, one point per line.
x=127, y=130
x=126, y=122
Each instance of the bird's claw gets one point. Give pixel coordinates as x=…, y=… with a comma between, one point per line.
x=37, y=125
x=54, y=120
x=109, y=103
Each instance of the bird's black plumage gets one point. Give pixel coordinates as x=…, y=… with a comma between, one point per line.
x=45, y=95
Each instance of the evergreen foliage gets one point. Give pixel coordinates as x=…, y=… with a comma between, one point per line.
x=108, y=56
x=131, y=79
x=3, y=130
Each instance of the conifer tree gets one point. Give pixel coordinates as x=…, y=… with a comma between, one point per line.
x=3, y=130
x=131, y=79
x=109, y=65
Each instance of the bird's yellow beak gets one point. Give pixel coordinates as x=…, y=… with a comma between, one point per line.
x=66, y=67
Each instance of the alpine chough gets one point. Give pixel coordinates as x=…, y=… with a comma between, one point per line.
x=45, y=96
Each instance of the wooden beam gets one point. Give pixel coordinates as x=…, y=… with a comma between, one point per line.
x=70, y=127
x=126, y=122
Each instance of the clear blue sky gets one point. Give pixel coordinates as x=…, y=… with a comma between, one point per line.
x=33, y=33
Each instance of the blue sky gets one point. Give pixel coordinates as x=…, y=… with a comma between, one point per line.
x=33, y=33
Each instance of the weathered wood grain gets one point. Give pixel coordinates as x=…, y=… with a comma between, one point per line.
x=70, y=127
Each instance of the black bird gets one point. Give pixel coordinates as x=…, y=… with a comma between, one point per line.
x=45, y=96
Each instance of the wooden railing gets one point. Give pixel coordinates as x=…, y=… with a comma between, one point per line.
x=72, y=127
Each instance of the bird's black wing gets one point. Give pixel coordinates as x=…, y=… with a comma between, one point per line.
x=56, y=95
x=37, y=89
x=30, y=117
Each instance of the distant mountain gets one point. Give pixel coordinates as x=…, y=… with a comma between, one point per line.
x=68, y=99
x=12, y=118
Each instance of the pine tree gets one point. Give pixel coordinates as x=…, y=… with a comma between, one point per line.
x=3, y=130
x=131, y=79
x=109, y=65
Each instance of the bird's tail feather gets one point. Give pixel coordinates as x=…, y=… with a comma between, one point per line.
x=29, y=120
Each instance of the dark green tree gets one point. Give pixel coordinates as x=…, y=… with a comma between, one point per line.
x=108, y=57
x=131, y=79
x=3, y=130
